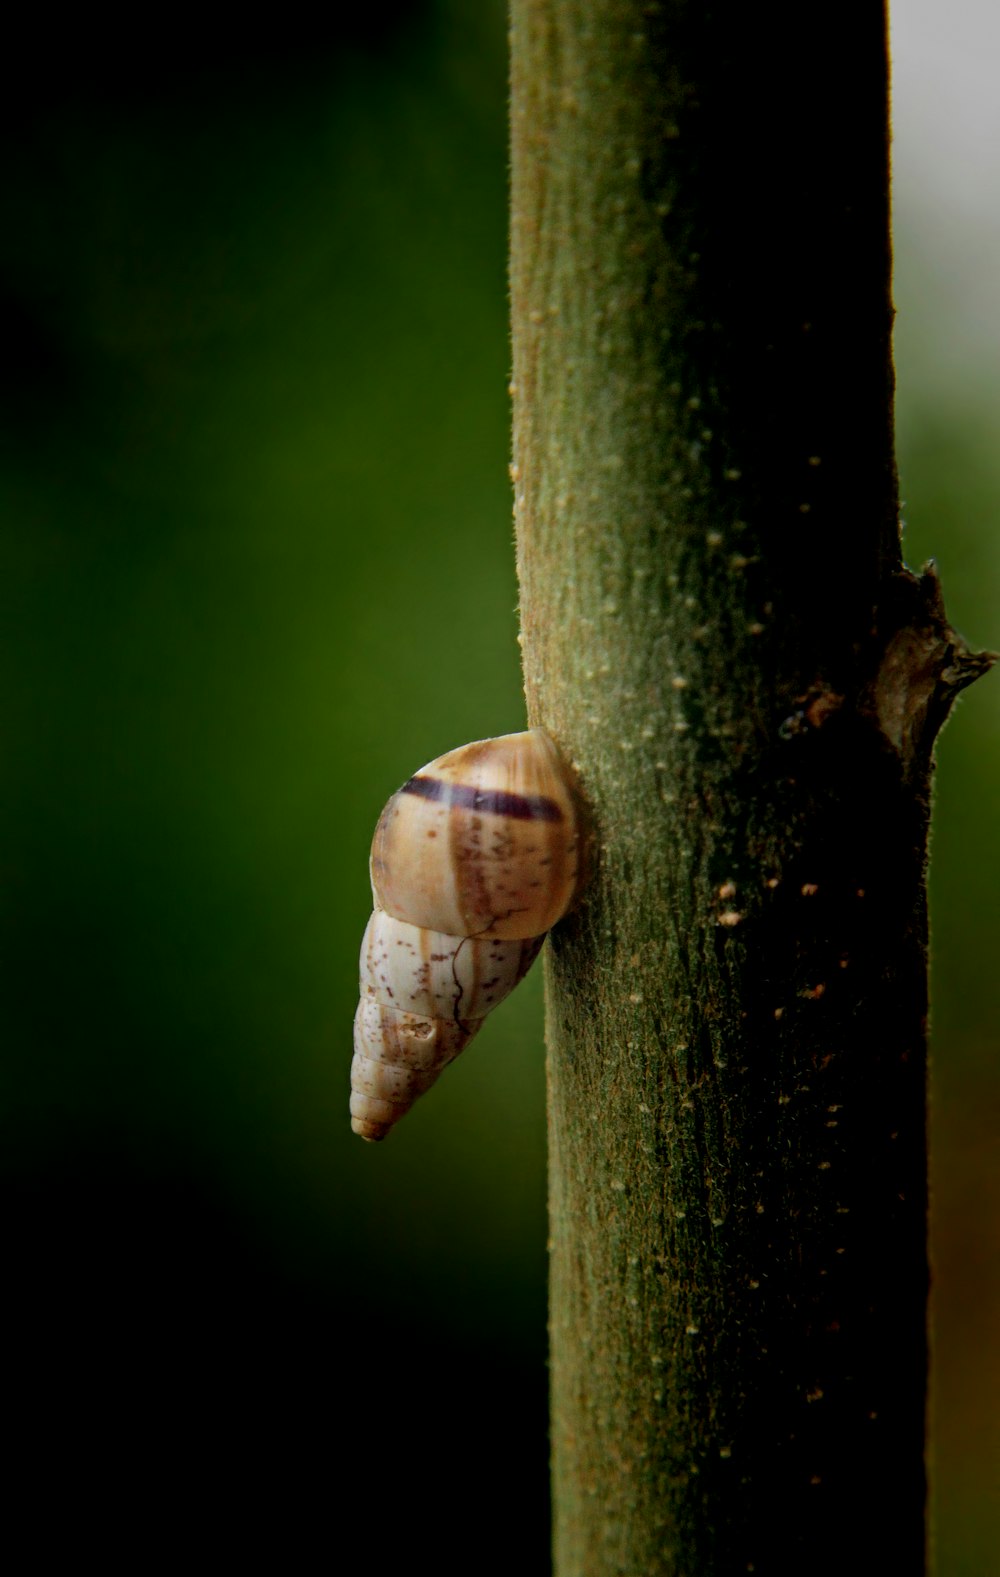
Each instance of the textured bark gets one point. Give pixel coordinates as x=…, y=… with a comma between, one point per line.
x=719, y=631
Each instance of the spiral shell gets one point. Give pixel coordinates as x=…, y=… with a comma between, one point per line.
x=473, y=860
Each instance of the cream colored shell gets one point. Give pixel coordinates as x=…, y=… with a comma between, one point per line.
x=473, y=860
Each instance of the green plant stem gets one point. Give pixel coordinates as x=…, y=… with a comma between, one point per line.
x=719, y=631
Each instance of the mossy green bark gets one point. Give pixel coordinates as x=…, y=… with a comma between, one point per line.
x=719, y=632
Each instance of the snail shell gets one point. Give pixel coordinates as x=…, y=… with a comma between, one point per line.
x=473, y=860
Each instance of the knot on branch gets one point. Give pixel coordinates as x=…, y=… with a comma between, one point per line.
x=923, y=666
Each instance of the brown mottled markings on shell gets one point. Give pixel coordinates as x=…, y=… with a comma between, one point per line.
x=491, y=859
x=459, y=988
x=471, y=886
x=425, y=972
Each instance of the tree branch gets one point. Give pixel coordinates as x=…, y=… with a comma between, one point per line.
x=718, y=629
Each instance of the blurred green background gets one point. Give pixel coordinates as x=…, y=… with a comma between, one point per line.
x=257, y=568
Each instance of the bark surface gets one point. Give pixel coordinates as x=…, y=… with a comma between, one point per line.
x=719, y=632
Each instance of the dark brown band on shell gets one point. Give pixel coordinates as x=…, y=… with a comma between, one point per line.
x=495, y=802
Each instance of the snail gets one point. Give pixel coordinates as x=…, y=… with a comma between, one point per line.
x=473, y=861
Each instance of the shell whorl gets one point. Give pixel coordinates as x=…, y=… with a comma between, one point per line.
x=473, y=860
